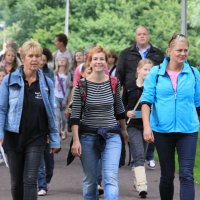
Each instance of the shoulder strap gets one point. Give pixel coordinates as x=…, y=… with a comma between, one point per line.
x=193, y=72
x=157, y=76
x=45, y=78
x=82, y=84
x=113, y=83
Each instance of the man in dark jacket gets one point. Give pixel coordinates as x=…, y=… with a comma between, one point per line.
x=129, y=57
x=126, y=70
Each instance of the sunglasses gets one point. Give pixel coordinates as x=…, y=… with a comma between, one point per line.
x=174, y=37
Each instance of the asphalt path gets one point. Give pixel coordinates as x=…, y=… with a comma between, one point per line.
x=66, y=183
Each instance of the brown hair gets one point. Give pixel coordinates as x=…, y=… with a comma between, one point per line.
x=96, y=49
x=143, y=62
x=112, y=53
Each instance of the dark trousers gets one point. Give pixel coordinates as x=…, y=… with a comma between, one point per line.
x=185, y=144
x=23, y=168
x=150, y=151
x=46, y=168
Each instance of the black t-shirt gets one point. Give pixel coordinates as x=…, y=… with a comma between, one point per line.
x=34, y=122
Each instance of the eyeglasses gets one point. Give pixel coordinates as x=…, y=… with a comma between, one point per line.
x=174, y=37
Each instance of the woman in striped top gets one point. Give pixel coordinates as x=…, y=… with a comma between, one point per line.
x=96, y=133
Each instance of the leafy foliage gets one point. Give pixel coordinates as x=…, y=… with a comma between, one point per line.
x=110, y=23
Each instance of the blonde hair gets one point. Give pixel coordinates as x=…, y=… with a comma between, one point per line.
x=177, y=38
x=66, y=66
x=143, y=62
x=31, y=45
x=15, y=63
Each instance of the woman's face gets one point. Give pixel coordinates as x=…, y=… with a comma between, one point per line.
x=179, y=52
x=43, y=61
x=111, y=60
x=144, y=70
x=62, y=62
x=79, y=57
x=98, y=62
x=32, y=60
x=10, y=57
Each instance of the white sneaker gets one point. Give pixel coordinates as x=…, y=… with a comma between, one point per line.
x=151, y=164
x=42, y=193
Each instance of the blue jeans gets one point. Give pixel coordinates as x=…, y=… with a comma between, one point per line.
x=99, y=172
x=185, y=144
x=110, y=165
x=45, y=171
x=60, y=116
x=23, y=168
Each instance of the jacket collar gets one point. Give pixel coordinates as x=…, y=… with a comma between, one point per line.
x=16, y=77
x=163, y=66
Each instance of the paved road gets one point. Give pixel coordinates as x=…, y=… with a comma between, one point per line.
x=66, y=183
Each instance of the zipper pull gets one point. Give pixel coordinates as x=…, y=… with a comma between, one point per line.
x=175, y=95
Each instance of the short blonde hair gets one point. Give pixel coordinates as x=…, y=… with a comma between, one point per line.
x=30, y=45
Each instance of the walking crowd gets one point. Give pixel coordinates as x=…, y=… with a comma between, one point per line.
x=143, y=98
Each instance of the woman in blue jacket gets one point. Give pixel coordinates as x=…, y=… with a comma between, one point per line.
x=172, y=90
x=26, y=118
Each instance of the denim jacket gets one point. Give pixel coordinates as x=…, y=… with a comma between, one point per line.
x=11, y=104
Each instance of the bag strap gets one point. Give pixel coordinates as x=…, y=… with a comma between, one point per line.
x=82, y=84
x=61, y=84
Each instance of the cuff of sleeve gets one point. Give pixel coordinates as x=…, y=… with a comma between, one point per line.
x=145, y=102
x=120, y=116
x=74, y=121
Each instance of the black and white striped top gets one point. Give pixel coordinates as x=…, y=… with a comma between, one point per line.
x=99, y=106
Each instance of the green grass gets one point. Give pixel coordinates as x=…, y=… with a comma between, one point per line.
x=197, y=163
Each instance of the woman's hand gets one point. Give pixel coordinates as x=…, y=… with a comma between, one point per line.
x=125, y=135
x=55, y=150
x=148, y=134
x=130, y=114
x=76, y=148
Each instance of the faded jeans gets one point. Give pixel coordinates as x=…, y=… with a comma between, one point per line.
x=23, y=168
x=110, y=165
x=137, y=145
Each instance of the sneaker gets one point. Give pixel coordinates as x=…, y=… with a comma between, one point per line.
x=151, y=164
x=100, y=190
x=42, y=192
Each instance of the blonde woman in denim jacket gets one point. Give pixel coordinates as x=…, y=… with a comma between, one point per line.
x=26, y=118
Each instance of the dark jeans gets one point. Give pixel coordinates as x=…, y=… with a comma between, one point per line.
x=185, y=144
x=45, y=172
x=23, y=170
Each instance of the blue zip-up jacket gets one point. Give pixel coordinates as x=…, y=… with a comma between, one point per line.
x=173, y=111
x=11, y=104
